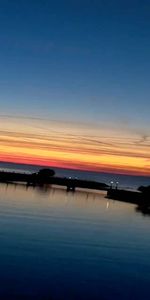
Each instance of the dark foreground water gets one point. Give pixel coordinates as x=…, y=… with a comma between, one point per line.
x=58, y=245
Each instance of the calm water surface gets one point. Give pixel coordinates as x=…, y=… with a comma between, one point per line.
x=58, y=245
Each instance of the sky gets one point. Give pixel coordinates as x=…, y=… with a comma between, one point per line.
x=74, y=84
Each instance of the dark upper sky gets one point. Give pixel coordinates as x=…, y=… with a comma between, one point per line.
x=77, y=60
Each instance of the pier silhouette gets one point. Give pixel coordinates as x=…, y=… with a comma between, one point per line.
x=47, y=176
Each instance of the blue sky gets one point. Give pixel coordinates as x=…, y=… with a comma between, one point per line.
x=81, y=60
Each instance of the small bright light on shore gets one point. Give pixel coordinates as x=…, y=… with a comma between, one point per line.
x=111, y=184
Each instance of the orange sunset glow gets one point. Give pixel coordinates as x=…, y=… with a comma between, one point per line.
x=76, y=146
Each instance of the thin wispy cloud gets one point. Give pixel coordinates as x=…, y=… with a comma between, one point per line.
x=72, y=144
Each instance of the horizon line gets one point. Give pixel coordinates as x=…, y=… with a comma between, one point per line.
x=82, y=169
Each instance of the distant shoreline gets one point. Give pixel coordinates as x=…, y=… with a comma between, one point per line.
x=11, y=164
x=47, y=176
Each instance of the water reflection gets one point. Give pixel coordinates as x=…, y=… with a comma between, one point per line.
x=44, y=189
x=145, y=210
x=87, y=195
x=59, y=245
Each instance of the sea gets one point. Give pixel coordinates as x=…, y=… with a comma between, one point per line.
x=59, y=245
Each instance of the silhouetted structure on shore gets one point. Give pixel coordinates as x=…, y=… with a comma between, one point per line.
x=46, y=176
x=140, y=197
